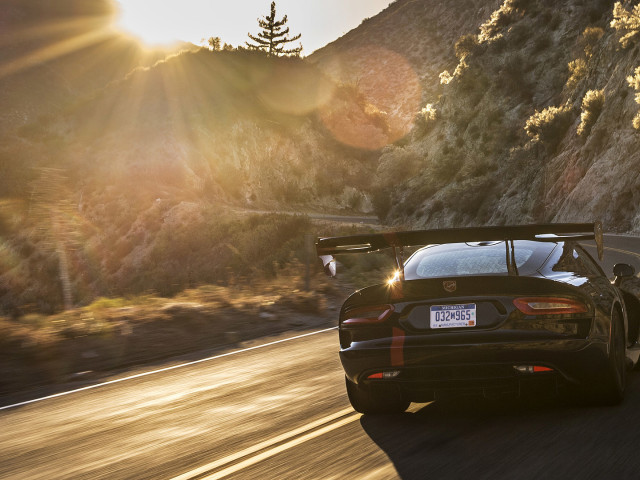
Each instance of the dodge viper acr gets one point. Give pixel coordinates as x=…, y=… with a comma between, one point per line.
x=487, y=311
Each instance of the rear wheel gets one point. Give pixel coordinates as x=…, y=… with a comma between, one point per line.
x=368, y=400
x=611, y=390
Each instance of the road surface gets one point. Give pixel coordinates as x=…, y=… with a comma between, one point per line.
x=278, y=410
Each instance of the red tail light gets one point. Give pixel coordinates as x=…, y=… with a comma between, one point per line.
x=538, y=368
x=549, y=305
x=532, y=368
x=368, y=315
x=386, y=375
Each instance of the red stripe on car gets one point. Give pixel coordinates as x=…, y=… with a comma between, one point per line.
x=397, y=347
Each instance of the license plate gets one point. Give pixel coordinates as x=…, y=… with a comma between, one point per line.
x=453, y=316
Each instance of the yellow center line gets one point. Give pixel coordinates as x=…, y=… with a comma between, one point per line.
x=269, y=443
x=281, y=448
x=626, y=252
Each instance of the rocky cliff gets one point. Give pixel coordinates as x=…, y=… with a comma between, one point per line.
x=529, y=117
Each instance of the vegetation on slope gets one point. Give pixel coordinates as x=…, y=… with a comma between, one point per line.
x=130, y=190
x=520, y=111
x=534, y=124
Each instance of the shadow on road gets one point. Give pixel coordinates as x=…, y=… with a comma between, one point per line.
x=546, y=439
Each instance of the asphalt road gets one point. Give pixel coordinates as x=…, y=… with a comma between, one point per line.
x=279, y=411
x=617, y=249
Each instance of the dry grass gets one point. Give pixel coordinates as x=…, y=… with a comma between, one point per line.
x=115, y=332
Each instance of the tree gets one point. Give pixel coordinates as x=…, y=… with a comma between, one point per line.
x=215, y=44
x=274, y=36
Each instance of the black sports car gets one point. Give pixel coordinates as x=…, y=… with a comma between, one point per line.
x=487, y=311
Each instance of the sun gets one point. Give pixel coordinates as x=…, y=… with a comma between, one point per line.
x=153, y=23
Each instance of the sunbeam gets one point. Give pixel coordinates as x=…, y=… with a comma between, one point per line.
x=56, y=50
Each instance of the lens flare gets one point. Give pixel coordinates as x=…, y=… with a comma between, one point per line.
x=378, y=98
x=294, y=87
x=394, y=279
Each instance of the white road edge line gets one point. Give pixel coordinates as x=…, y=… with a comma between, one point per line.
x=262, y=445
x=270, y=453
x=173, y=367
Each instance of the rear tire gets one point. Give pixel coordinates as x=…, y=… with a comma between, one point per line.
x=611, y=390
x=367, y=400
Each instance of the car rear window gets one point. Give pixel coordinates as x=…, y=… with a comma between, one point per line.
x=467, y=259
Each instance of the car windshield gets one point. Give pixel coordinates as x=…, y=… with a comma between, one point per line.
x=484, y=258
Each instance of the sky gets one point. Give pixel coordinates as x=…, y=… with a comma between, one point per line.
x=162, y=22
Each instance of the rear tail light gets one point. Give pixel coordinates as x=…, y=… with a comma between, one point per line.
x=368, y=315
x=386, y=375
x=532, y=368
x=549, y=305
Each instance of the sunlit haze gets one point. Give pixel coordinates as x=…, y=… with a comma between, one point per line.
x=168, y=21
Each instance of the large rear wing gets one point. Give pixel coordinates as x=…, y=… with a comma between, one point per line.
x=553, y=232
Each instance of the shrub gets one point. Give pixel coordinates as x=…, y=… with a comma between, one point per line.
x=577, y=71
x=590, y=38
x=445, y=77
x=592, y=104
x=466, y=45
x=499, y=19
x=549, y=125
x=626, y=22
x=429, y=112
x=634, y=82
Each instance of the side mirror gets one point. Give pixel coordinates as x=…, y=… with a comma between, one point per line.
x=329, y=264
x=622, y=270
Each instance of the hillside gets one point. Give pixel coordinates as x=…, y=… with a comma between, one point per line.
x=397, y=56
x=134, y=187
x=124, y=172
x=532, y=123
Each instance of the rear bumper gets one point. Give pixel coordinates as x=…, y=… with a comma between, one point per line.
x=428, y=370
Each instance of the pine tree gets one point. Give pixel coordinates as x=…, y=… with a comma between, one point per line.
x=273, y=36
